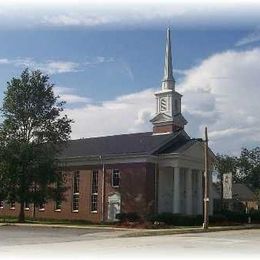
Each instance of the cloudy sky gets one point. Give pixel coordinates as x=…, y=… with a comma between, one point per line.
x=106, y=60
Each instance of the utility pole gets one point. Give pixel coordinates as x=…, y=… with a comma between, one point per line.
x=206, y=183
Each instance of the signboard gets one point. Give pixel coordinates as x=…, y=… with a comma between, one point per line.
x=227, y=185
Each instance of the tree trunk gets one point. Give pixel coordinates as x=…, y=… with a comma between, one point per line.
x=21, y=218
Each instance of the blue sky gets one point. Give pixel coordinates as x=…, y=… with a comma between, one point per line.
x=107, y=60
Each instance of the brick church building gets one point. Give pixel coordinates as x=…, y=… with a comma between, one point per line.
x=151, y=172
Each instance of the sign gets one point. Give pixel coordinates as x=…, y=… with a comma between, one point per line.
x=227, y=185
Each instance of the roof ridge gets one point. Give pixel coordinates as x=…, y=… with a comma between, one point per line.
x=104, y=136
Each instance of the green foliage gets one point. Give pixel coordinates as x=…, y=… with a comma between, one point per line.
x=31, y=136
x=249, y=167
x=130, y=217
x=245, y=168
x=226, y=163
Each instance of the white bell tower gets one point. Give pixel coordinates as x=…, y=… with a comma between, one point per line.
x=168, y=117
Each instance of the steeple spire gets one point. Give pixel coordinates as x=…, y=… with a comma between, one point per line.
x=168, y=81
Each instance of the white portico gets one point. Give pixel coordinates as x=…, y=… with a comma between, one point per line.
x=180, y=180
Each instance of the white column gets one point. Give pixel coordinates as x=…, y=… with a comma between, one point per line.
x=176, y=190
x=188, y=191
x=199, y=193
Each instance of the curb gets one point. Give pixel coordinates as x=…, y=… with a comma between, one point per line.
x=133, y=232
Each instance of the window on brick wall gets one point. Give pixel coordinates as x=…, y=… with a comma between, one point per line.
x=26, y=205
x=75, y=188
x=41, y=206
x=12, y=204
x=94, y=191
x=115, y=178
x=57, y=206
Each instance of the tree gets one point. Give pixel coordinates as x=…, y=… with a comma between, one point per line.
x=249, y=168
x=32, y=134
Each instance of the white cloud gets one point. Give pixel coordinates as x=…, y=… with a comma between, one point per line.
x=222, y=92
x=55, y=66
x=74, y=13
x=124, y=114
x=69, y=95
x=250, y=38
x=76, y=19
x=49, y=66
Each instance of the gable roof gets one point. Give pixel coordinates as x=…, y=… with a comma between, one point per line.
x=239, y=192
x=242, y=192
x=125, y=144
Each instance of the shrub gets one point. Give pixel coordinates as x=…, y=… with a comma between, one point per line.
x=217, y=219
x=130, y=217
x=255, y=216
x=176, y=219
x=236, y=217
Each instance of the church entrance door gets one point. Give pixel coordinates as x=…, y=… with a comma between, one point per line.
x=114, y=206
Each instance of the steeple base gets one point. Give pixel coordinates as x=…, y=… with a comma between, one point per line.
x=166, y=128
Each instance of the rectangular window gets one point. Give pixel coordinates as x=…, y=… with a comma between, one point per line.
x=41, y=207
x=26, y=205
x=75, y=203
x=76, y=182
x=12, y=205
x=1, y=204
x=58, y=205
x=115, y=178
x=75, y=196
x=94, y=191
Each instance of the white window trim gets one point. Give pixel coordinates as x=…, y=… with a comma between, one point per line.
x=75, y=193
x=115, y=186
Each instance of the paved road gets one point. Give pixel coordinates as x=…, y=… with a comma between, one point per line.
x=62, y=243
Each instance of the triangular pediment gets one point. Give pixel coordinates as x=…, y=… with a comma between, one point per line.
x=196, y=151
x=162, y=117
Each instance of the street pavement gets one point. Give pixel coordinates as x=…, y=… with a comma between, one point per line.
x=18, y=242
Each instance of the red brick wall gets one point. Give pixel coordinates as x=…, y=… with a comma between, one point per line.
x=136, y=189
x=166, y=128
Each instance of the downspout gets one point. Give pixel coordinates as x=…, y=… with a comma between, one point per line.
x=102, y=190
x=156, y=183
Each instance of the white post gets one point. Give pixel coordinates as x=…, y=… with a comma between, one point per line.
x=188, y=190
x=176, y=190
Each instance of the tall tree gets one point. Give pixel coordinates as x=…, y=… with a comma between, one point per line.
x=249, y=167
x=32, y=134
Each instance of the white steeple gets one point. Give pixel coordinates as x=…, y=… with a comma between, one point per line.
x=168, y=117
x=168, y=81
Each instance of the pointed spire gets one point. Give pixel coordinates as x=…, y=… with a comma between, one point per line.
x=168, y=81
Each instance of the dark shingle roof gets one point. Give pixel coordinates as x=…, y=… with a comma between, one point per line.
x=239, y=192
x=138, y=143
x=242, y=192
